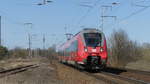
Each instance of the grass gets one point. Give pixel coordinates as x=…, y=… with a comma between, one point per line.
x=146, y=54
x=143, y=63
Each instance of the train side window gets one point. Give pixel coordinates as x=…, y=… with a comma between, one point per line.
x=75, y=45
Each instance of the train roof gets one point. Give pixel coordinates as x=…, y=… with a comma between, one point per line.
x=87, y=30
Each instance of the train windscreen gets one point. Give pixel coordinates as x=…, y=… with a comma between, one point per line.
x=93, y=39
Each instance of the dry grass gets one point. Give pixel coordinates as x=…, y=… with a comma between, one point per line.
x=73, y=76
x=146, y=54
x=143, y=63
x=139, y=65
x=12, y=63
x=47, y=73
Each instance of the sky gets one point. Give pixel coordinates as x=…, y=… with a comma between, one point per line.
x=53, y=20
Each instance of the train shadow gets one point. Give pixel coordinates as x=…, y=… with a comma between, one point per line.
x=81, y=69
x=106, y=69
x=114, y=70
x=72, y=66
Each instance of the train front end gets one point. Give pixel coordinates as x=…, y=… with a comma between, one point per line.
x=94, y=54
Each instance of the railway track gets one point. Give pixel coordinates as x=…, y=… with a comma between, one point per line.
x=111, y=78
x=126, y=78
x=12, y=71
x=119, y=76
x=130, y=74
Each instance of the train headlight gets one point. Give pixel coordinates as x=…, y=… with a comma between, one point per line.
x=85, y=49
x=101, y=49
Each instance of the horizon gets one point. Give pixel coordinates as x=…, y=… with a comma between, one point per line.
x=55, y=19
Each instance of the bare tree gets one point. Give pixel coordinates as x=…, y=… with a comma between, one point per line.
x=122, y=49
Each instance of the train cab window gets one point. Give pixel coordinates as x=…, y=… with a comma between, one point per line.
x=93, y=39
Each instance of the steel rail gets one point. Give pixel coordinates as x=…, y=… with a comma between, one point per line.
x=104, y=79
x=138, y=71
x=117, y=79
x=4, y=73
x=128, y=70
x=132, y=80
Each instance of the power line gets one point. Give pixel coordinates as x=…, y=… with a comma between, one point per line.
x=89, y=10
x=135, y=13
x=11, y=20
x=85, y=15
x=132, y=14
x=143, y=8
x=91, y=7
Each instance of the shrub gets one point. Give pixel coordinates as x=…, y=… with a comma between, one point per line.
x=18, y=53
x=3, y=52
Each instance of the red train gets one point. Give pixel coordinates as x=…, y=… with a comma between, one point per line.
x=86, y=49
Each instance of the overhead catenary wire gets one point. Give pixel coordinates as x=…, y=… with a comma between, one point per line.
x=143, y=8
x=90, y=7
x=89, y=10
x=131, y=15
x=135, y=13
x=11, y=20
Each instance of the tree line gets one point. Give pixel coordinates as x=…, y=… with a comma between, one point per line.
x=23, y=53
x=121, y=50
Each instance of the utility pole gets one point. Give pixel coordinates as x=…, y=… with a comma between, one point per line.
x=29, y=51
x=102, y=14
x=103, y=7
x=44, y=39
x=68, y=35
x=29, y=39
x=44, y=50
x=0, y=32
